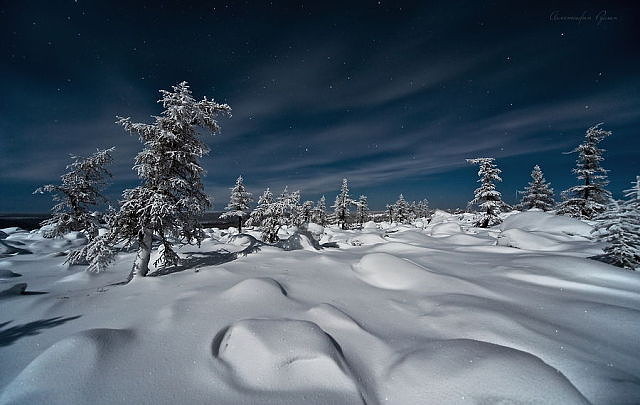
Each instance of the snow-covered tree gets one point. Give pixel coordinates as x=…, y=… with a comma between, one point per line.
x=79, y=190
x=619, y=227
x=306, y=211
x=538, y=194
x=320, y=212
x=263, y=216
x=272, y=214
x=167, y=204
x=422, y=208
x=486, y=196
x=362, y=210
x=342, y=205
x=238, y=203
x=401, y=210
x=589, y=199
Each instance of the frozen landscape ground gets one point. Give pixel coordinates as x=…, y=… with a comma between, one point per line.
x=437, y=313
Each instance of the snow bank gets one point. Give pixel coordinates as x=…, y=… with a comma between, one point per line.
x=517, y=238
x=384, y=270
x=284, y=355
x=537, y=221
x=445, y=229
x=470, y=371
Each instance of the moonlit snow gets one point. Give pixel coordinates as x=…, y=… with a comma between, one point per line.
x=437, y=313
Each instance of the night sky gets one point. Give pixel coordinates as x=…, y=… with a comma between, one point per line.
x=392, y=95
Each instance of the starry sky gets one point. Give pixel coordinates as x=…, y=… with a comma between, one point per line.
x=392, y=95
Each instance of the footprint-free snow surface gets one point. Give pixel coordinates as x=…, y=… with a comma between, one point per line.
x=436, y=313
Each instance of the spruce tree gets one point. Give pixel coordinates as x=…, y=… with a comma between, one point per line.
x=362, y=210
x=486, y=196
x=619, y=227
x=238, y=203
x=538, y=194
x=342, y=204
x=401, y=212
x=79, y=190
x=590, y=198
x=168, y=203
x=320, y=212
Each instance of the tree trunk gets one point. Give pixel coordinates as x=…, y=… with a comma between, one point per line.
x=239, y=224
x=141, y=265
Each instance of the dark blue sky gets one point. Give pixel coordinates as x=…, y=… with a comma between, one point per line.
x=393, y=95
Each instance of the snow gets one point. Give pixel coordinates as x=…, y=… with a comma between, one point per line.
x=440, y=315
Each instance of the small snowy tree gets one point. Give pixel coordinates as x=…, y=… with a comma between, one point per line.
x=401, y=210
x=618, y=226
x=362, y=210
x=422, y=208
x=538, y=194
x=171, y=197
x=320, y=212
x=342, y=205
x=486, y=196
x=307, y=211
x=80, y=189
x=264, y=217
x=589, y=199
x=238, y=203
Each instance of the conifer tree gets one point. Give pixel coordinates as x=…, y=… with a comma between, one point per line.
x=264, y=217
x=320, y=212
x=619, y=227
x=167, y=205
x=238, y=203
x=486, y=196
x=538, y=194
x=80, y=189
x=307, y=211
x=362, y=210
x=590, y=198
x=401, y=208
x=342, y=205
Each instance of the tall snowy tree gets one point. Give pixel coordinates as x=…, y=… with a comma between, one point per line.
x=171, y=197
x=590, y=198
x=538, y=194
x=422, y=208
x=320, y=212
x=401, y=210
x=342, y=205
x=238, y=203
x=79, y=190
x=362, y=210
x=619, y=227
x=486, y=196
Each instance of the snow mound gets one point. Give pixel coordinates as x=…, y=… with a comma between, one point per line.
x=66, y=372
x=445, y=229
x=370, y=225
x=384, y=270
x=315, y=229
x=517, y=238
x=16, y=289
x=470, y=371
x=284, y=355
x=537, y=221
x=9, y=248
x=327, y=315
x=5, y=273
x=300, y=240
x=252, y=288
x=440, y=216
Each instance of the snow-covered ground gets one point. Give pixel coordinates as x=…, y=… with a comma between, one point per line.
x=434, y=314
